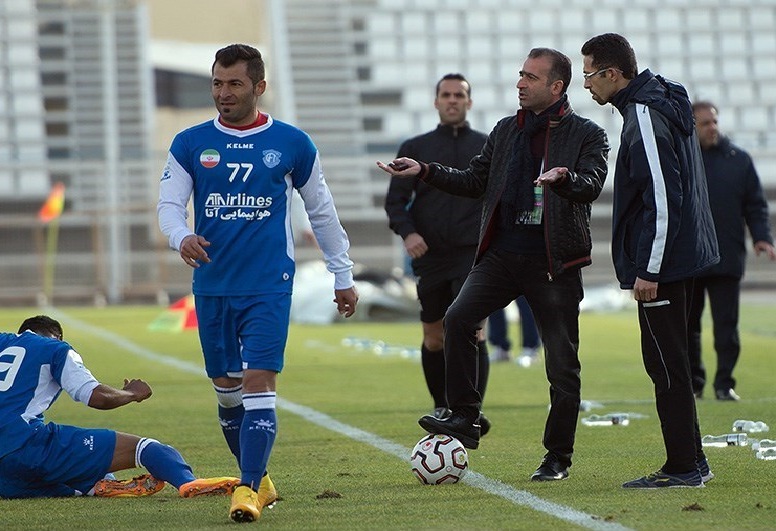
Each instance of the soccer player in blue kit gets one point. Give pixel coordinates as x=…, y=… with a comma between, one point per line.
x=39, y=459
x=242, y=168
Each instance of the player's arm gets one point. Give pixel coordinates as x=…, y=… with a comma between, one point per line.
x=329, y=233
x=107, y=397
x=175, y=189
x=78, y=382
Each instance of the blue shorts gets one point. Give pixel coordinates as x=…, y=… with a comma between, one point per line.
x=57, y=461
x=240, y=333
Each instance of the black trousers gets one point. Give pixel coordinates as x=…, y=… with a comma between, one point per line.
x=663, y=324
x=498, y=279
x=724, y=294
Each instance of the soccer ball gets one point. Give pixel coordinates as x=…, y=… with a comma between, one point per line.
x=438, y=459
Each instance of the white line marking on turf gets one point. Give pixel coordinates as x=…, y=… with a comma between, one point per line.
x=491, y=486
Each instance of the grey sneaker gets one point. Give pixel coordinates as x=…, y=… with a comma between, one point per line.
x=660, y=479
x=727, y=394
x=706, y=473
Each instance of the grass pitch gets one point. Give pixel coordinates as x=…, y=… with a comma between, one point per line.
x=346, y=409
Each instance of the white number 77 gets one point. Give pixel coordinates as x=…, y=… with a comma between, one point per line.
x=236, y=169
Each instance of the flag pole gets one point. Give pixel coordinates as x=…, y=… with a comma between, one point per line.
x=49, y=214
x=52, y=240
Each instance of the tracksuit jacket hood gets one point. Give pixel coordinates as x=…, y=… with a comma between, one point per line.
x=662, y=230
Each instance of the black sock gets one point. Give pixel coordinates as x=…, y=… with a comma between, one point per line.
x=482, y=376
x=433, y=362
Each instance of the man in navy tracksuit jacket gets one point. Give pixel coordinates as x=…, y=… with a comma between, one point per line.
x=662, y=237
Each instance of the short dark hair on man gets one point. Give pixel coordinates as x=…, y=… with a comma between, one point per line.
x=458, y=77
x=43, y=325
x=232, y=54
x=704, y=105
x=611, y=50
x=561, y=65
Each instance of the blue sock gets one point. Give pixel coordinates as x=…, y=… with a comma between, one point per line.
x=231, y=419
x=230, y=416
x=163, y=462
x=257, y=436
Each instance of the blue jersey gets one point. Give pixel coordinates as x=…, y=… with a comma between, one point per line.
x=242, y=183
x=33, y=372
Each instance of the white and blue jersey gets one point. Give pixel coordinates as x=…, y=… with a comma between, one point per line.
x=242, y=182
x=33, y=372
x=40, y=459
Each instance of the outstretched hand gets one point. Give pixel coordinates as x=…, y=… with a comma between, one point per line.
x=401, y=167
x=551, y=176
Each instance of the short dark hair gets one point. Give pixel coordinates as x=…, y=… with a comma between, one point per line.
x=232, y=54
x=611, y=50
x=704, y=105
x=561, y=65
x=458, y=77
x=43, y=325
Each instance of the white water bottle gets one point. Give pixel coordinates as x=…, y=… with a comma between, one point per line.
x=729, y=439
x=610, y=419
x=763, y=444
x=768, y=454
x=750, y=426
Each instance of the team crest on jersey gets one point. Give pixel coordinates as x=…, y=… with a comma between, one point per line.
x=210, y=158
x=271, y=158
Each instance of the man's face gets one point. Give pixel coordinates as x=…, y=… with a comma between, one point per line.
x=600, y=85
x=534, y=91
x=452, y=101
x=706, y=125
x=234, y=94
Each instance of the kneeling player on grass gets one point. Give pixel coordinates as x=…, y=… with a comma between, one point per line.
x=40, y=459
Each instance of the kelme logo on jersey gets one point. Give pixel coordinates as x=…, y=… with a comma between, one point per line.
x=210, y=158
x=271, y=158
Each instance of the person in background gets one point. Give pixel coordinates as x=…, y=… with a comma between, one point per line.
x=242, y=168
x=737, y=202
x=439, y=230
x=498, y=335
x=662, y=237
x=45, y=459
x=538, y=174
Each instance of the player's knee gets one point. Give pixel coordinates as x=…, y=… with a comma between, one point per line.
x=434, y=343
x=433, y=336
x=228, y=397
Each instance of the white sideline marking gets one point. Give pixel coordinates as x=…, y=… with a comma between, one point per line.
x=474, y=479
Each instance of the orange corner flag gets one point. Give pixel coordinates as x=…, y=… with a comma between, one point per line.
x=54, y=204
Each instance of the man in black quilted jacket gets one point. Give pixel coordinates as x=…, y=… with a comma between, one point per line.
x=538, y=174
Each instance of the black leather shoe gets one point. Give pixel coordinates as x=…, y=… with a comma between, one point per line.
x=551, y=469
x=484, y=425
x=441, y=412
x=456, y=425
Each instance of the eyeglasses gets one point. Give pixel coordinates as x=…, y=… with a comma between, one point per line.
x=593, y=74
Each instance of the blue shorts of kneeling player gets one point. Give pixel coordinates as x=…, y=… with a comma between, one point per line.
x=57, y=461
